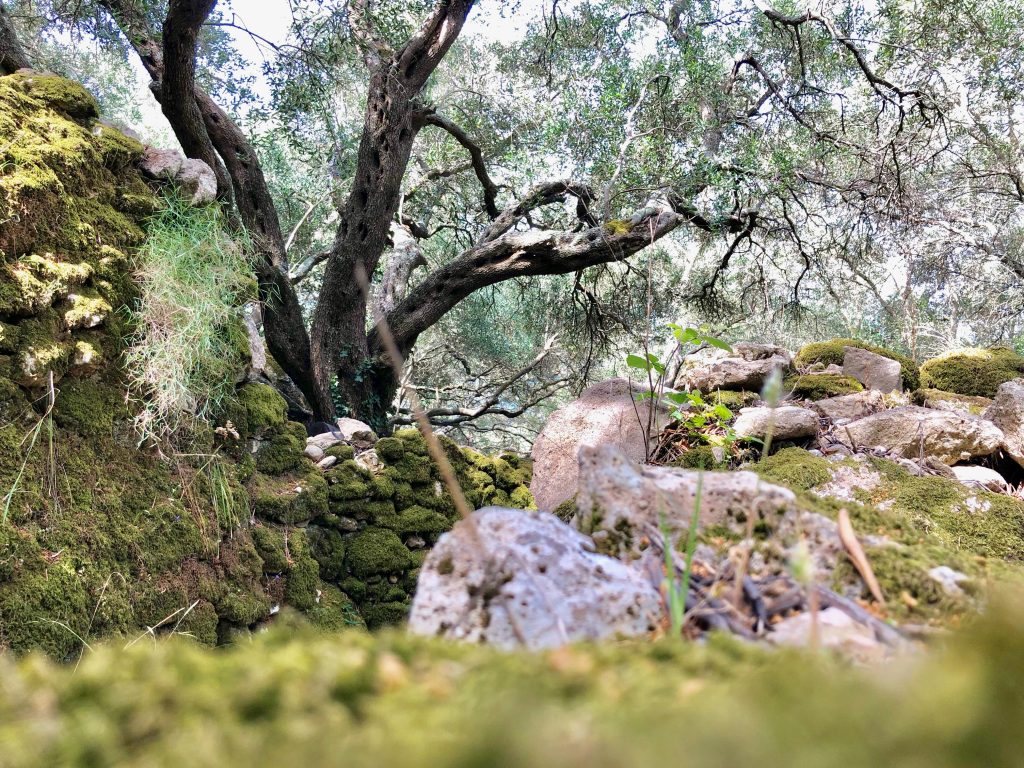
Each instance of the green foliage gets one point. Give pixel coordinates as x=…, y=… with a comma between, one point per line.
x=190, y=343
x=972, y=371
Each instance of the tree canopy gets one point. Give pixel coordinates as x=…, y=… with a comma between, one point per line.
x=609, y=166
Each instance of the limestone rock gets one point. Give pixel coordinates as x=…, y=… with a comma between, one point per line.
x=621, y=502
x=323, y=441
x=744, y=368
x=836, y=631
x=948, y=579
x=913, y=431
x=789, y=422
x=1007, y=413
x=162, y=164
x=975, y=476
x=605, y=414
x=873, y=371
x=356, y=432
x=518, y=579
x=844, y=408
x=313, y=451
x=197, y=182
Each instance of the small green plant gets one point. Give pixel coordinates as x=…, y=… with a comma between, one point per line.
x=187, y=345
x=702, y=421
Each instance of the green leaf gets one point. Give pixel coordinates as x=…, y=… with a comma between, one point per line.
x=635, y=361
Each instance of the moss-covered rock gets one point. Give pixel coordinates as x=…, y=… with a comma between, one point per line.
x=818, y=386
x=832, y=353
x=376, y=551
x=951, y=401
x=794, y=468
x=972, y=371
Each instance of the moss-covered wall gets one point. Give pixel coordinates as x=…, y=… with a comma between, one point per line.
x=99, y=538
x=368, y=520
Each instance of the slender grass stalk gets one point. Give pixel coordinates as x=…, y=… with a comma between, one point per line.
x=676, y=592
x=45, y=421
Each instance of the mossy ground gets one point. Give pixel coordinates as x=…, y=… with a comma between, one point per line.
x=930, y=521
x=832, y=353
x=298, y=699
x=972, y=371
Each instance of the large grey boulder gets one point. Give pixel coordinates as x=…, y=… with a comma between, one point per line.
x=846, y=408
x=915, y=432
x=622, y=503
x=872, y=370
x=1007, y=413
x=519, y=579
x=745, y=367
x=608, y=413
x=788, y=422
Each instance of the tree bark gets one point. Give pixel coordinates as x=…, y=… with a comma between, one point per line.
x=12, y=55
x=338, y=335
x=283, y=324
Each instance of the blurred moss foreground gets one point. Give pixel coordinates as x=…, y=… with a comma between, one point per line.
x=356, y=699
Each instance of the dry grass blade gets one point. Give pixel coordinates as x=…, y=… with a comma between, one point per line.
x=857, y=556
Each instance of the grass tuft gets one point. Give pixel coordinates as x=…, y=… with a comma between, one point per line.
x=185, y=352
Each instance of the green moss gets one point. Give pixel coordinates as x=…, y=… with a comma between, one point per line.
x=89, y=407
x=832, y=353
x=818, y=386
x=972, y=371
x=979, y=522
x=328, y=548
x=699, y=457
x=258, y=409
x=270, y=545
x=341, y=452
x=385, y=614
x=45, y=608
x=375, y=551
x=334, y=611
x=794, y=468
x=566, y=510
x=521, y=498
x=936, y=398
x=292, y=498
x=59, y=94
x=390, y=450
x=732, y=400
x=281, y=453
x=910, y=593
x=303, y=577
x=414, y=519
x=9, y=337
x=349, y=481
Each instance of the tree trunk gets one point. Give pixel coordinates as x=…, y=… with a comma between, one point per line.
x=12, y=55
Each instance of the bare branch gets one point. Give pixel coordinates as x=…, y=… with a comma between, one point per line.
x=477, y=160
